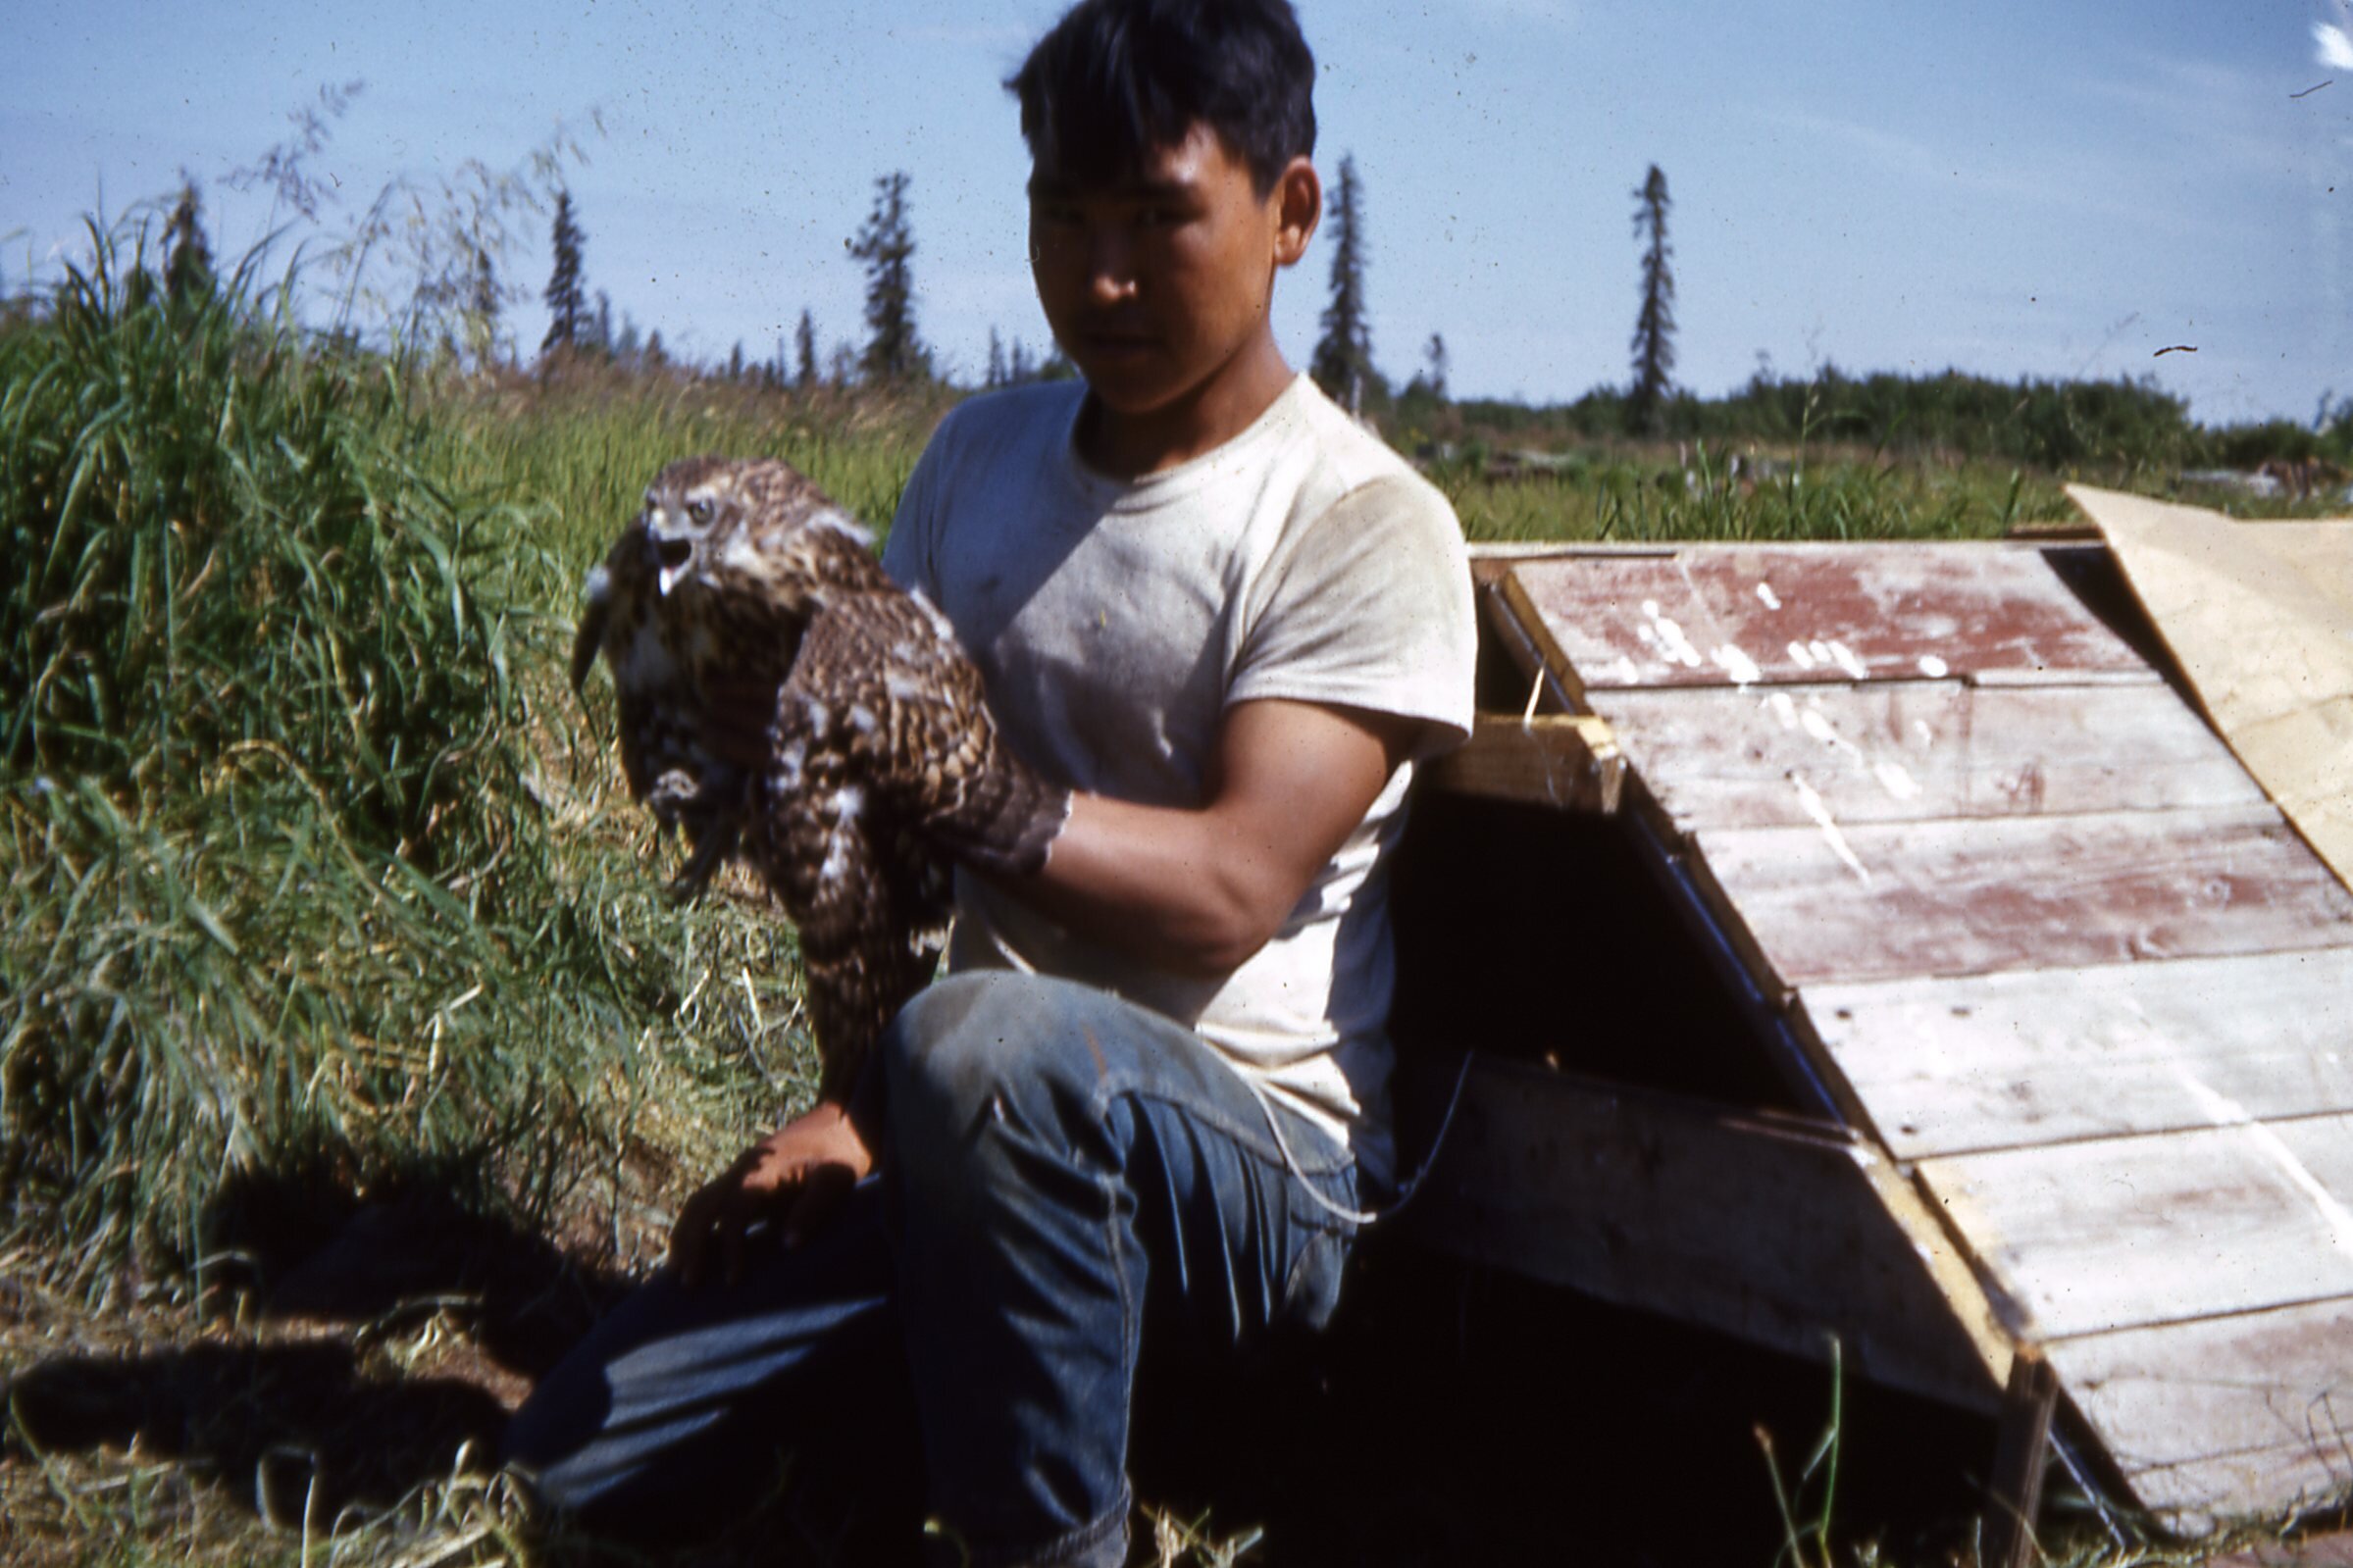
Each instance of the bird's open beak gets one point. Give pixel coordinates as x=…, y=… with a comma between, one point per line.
x=671, y=558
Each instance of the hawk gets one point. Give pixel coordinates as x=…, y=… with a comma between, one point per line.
x=782, y=701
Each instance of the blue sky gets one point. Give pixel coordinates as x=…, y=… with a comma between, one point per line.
x=2010, y=187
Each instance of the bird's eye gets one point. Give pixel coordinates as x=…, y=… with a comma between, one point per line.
x=699, y=509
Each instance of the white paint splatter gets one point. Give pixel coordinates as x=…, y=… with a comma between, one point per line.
x=1783, y=709
x=1934, y=668
x=2223, y=1111
x=1920, y=726
x=1896, y=781
x=1817, y=725
x=1626, y=672
x=1798, y=656
x=1738, y=665
x=1675, y=645
x=1650, y=607
x=1846, y=660
x=1764, y=591
x=1814, y=807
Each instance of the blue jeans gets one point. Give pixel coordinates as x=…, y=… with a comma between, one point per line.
x=1050, y=1159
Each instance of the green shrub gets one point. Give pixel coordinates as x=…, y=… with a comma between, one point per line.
x=285, y=882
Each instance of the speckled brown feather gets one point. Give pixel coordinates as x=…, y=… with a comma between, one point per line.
x=780, y=698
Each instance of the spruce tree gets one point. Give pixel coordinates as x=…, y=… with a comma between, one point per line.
x=1433, y=375
x=1342, y=364
x=1655, y=327
x=995, y=374
x=886, y=246
x=567, y=305
x=805, y=351
x=188, y=258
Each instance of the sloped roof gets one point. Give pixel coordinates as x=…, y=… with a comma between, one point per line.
x=2044, y=939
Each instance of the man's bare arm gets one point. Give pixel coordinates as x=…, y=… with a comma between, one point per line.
x=1200, y=891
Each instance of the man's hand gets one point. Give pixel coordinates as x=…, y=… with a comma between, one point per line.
x=796, y=1178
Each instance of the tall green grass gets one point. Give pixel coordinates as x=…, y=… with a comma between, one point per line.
x=1829, y=495
x=580, y=446
x=301, y=871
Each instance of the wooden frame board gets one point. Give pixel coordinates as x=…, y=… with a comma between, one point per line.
x=1748, y=615
x=1918, y=751
x=2082, y=996
x=1896, y=900
x=1951, y=1066
x=1781, y=1232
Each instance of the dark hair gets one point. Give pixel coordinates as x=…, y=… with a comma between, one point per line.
x=1117, y=78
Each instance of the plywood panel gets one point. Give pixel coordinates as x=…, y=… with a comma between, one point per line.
x=2261, y=617
x=1907, y=751
x=1771, y=1232
x=1880, y=901
x=1989, y=1061
x=2226, y=1416
x=2119, y=1233
x=1738, y=615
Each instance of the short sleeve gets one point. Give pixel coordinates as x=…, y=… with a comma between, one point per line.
x=910, y=553
x=1368, y=606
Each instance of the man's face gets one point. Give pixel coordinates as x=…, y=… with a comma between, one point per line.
x=1155, y=282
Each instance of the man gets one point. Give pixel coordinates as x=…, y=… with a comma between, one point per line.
x=1232, y=622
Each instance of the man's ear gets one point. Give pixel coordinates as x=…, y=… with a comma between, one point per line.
x=1298, y=208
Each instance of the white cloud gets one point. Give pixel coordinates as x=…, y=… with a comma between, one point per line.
x=2336, y=46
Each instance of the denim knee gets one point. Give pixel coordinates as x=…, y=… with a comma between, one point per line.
x=990, y=1046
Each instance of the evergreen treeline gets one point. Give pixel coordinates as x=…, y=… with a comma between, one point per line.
x=2048, y=424
x=2120, y=422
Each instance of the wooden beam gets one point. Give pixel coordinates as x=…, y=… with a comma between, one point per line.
x=1568, y=761
x=2021, y=1453
x=1776, y=1230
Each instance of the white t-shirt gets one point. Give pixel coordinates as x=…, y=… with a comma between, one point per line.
x=1116, y=621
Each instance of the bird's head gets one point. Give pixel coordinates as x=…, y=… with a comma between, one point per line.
x=687, y=505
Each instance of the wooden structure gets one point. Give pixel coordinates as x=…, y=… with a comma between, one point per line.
x=1968, y=1000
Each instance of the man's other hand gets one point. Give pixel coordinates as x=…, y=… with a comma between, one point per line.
x=795, y=1179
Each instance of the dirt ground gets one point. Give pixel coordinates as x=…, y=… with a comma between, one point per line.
x=338, y=1368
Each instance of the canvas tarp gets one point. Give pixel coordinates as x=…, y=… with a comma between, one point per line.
x=2260, y=616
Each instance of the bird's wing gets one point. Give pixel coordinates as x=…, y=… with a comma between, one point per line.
x=827, y=844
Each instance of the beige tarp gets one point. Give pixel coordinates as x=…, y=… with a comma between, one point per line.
x=2260, y=616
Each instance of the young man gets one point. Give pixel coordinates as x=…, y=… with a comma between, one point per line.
x=1232, y=622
